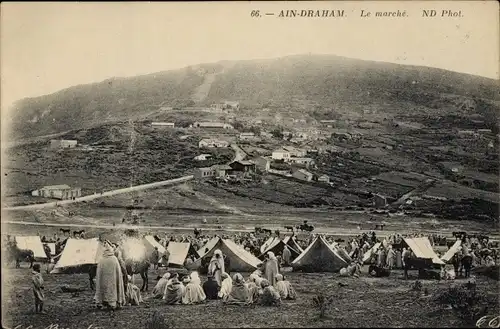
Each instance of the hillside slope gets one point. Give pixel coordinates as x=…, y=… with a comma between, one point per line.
x=306, y=80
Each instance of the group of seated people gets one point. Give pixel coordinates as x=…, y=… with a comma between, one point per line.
x=236, y=290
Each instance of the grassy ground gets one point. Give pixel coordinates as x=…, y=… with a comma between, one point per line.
x=363, y=302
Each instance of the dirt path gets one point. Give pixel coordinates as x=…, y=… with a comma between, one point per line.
x=334, y=231
x=103, y=194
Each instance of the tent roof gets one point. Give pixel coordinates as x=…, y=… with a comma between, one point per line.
x=370, y=252
x=32, y=243
x=271, y=241
x=290, y=241
x=52, y=247
x=452, y=251
x=208, y=246
x=79, y=252
x=277, y=246
x=151, y=243
x=320, y=256
x=422, y=248
x=239, y=259
x=178, y=252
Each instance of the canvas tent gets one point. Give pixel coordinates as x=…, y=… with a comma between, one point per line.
x=291, y=242
x=343, y=253
x=277, y=247
x=268, y=243
x=52, y=247
x=371, y=251
x=32, y=243
x=452, y=251
x=77, y=253
x=179, y=251
x=240, y=260
x=319, y=256
x=208, y=246
x=422, y=248
x=151, y=243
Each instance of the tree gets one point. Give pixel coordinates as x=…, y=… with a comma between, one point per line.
x=277, y=133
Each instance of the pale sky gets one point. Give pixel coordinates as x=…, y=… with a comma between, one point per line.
x=46, y=47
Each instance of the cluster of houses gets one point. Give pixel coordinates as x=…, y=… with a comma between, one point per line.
x=236, y=169
x=226, y=105
x=293, y=155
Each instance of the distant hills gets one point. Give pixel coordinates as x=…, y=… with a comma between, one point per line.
x=324, y=81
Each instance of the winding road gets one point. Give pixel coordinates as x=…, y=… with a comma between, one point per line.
x=103, y=194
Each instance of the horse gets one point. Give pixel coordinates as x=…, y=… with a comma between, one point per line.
x=289, y=228
x=13, y=253
x=305, y=227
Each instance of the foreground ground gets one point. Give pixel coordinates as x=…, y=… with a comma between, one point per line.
x=363, y=302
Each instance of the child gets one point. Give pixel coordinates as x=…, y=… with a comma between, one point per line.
x=38, y=289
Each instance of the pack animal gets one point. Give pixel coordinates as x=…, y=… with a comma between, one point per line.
x=78, y=233
x=305, y=227
x=13, y=253
x=289, y=228
x=64, y=231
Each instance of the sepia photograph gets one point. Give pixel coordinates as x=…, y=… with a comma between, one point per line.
x=268, y=164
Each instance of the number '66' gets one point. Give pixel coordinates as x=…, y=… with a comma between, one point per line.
x=489, y=321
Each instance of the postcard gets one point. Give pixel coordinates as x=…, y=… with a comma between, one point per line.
x=250, y=164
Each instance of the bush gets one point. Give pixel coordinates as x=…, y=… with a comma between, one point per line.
x=322, y=303
x=157, y=321
x=467, y=304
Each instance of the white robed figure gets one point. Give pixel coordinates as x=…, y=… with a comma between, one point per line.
x=216, y=266
x=271, y=268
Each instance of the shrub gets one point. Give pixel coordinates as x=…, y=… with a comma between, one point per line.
x=466, y=303
x=157, y=321
x=322, y=303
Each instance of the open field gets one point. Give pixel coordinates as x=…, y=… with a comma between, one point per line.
x=363, y=302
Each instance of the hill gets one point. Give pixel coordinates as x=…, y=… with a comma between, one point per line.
x=293, y=83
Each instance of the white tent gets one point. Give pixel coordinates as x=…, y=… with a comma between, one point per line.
x=452, y=251
x=269, y=242
x=32, y=243
x=240, y=259
x=319, y=256
x=151, y=243
x=208, y=246
x=52, y=247
x=370, y=252
x=178, y=252
x=290, y=241
x=422, y=248
x=78, y=252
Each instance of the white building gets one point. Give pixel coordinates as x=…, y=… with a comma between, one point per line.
x=213, y=125
x=281, y=155
x=202, y=157
x=295, y=152
x=162, y=124
x=303, y=175
x=63, y=143
x=213, y=143
x=247, y=136
x=61, y=192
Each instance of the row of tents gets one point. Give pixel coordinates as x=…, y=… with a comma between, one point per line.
x=319, y=256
